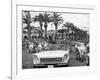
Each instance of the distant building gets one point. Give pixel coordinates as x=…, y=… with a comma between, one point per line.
x=62, y=33
x=50, y=32
x=35, y=32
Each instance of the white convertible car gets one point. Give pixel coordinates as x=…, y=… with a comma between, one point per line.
x=52, y=55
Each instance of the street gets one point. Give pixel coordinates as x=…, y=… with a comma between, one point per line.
x=28, y=61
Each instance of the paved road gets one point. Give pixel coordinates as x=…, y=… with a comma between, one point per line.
x=74, y=62
x=27, y=61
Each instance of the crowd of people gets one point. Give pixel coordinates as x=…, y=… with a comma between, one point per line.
x=35, y=45
x=81, y=51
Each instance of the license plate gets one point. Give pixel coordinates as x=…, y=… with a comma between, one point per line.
x=50, y=66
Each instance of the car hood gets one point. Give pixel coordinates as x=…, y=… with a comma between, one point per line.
x=52, y=54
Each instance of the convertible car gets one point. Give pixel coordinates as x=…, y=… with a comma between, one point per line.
x=55, y=55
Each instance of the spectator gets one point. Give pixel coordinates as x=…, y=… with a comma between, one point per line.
x=40, y=47
x=82, y=50
x=31, y=47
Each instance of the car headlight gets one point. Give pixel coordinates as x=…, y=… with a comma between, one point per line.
x=65, y=58
x=36, y=60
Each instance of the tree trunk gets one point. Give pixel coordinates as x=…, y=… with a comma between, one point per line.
x=41, y=26
x=41, y=29
x=56, y=27
x=29, y=33
x=28, y=25
x=45, y=31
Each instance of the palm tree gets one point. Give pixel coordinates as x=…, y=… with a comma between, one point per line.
x=27, y=19
x=39, y=19
x=57, y=20
x=46, y=19
x=70, y=26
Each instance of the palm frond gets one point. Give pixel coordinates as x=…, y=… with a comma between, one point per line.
x=27, y=17
x=46, y=17
x=38, y=18
x=56, y=18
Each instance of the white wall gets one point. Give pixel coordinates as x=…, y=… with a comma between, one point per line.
x=5, y=30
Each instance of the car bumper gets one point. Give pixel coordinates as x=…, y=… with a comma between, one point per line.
x=53, y=64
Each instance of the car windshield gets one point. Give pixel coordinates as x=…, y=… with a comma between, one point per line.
x=56, y=47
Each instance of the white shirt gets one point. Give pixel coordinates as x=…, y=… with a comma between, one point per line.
x=82, y=49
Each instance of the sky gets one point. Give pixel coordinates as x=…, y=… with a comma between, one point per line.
x=79, y=20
